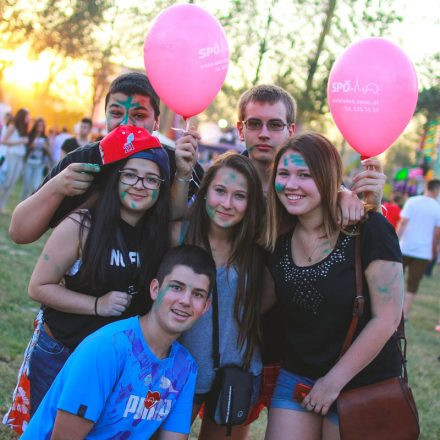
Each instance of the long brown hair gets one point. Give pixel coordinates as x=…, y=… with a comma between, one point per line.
x=246, y=256
x=325, y=166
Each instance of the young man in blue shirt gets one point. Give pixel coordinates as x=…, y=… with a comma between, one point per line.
x=131, y=379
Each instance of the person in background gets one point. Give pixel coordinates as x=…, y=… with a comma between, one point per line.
x=15, y=138
x=7, y=119
x=393, y=208
x=83, y=138
x=131, y=379
x=37, y=152
x=58, y=142
x=419, y=234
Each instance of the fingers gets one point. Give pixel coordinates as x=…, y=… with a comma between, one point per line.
x=372, y=162
x=84, y=167
x=76, y=178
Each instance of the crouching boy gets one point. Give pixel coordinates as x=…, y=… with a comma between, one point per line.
x=131, y=378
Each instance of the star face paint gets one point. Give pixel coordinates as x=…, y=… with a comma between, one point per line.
x=227, y=198
x=279, y=187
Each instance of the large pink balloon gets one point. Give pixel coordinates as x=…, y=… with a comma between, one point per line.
x=372, y=94
x=186, y=58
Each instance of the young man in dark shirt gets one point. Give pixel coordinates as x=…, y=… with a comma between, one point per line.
x=82, y=139
x=130, y=101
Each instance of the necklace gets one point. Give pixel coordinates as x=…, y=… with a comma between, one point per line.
x=317, y=243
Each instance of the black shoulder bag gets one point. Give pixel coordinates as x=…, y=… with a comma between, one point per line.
x=229, y=401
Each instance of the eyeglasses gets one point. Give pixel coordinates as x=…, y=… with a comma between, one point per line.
x=257, y=124
x=148, y=182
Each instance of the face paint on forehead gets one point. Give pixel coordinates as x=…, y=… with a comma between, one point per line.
x=127, y=104
x=297, y=159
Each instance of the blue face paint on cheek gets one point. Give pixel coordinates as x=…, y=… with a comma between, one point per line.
x=154, y=195
x=279, y=187
x=133, y=205
x=211, y=211
x=161, y=295
x=123, y=194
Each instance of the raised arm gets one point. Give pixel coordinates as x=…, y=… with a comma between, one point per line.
x=58, y=256
x=385, y=283
x=31, y=218
x=70, y=427
x=186, y=158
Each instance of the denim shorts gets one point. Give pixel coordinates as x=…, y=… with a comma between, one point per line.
x=283, y=395
x=46, y=360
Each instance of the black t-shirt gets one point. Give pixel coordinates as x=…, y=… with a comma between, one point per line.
x=90, y=154
x=71, y=328
x=317, y=302
x=70, y=145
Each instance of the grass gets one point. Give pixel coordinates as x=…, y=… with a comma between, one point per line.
x=17, y=313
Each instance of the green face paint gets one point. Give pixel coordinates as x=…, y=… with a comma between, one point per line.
x=154, y=195
x=161, y=295
x=298, y=160
x=279, y=187
x=127, y=104
x=211, y=211
x=133, y=205
x=123, y=194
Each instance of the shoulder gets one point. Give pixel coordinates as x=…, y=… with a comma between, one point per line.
x=88, y=153
x=183, y=356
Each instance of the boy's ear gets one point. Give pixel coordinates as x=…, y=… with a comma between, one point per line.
x=154, y=289
x=207, y=305
x=156, y=123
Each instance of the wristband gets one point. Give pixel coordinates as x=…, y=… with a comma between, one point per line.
x=96, y=306
x=182, y=179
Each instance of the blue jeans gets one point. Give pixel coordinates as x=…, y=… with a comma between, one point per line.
x=47, y=359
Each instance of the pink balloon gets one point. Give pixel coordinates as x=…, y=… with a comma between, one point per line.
x=372, y=94
x=186, y=58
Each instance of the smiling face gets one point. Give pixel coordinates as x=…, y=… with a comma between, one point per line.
x=181, y=299
x=294, y=185
x=263, y=144
x=227, y=198
x=134, y=110
x=136, y=200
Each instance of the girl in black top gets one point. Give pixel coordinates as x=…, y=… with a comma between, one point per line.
x=97, y=264
x=313, y=266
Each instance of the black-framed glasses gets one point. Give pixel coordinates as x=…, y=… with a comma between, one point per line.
x=148, y=182
x=254, y=124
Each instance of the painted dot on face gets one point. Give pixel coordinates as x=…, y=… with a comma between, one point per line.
x=279, y=187
x=133, y=205
x=211, y=211
x=123, y=194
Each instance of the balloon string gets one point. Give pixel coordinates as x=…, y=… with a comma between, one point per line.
x=187, y=124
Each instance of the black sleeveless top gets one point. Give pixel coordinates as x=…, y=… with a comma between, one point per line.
x=71, y=328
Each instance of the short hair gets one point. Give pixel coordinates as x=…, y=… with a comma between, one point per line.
x=433, y=185
x=190, y=256
x=134, y=83
x=86, y=121
x=270, y=94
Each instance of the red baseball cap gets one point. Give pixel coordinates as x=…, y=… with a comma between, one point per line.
x=124, y=141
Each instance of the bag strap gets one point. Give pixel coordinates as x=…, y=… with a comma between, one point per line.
x=358, y=310
x=215, y=324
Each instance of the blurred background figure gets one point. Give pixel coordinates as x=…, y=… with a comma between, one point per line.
x=393, y=208
x=36, y=156
x=15, y=139
x=80, y=140
x=58, y=142
x=419, y=234
x=7, y=119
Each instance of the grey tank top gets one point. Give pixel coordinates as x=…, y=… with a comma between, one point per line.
x=198, y=339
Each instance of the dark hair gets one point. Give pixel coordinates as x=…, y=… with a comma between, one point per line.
x=131, y=83
x=104, y=234
x=20, y=122
x=325, y=166
x=87, y=121
x=190, y=256
x=433, y=184
x=267, y=93
x=33, y=132
x=246, y=255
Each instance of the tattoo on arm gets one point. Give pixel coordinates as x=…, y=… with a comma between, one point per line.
x=387, y=282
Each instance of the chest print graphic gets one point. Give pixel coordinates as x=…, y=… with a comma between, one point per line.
x=151, y=399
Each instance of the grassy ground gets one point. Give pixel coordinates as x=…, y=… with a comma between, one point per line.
x=17, y=313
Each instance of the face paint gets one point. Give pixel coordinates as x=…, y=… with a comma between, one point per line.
x=154, y=195
x=211, y=211
x=127, y=104
x=46, y=257
x=161, y=295
x=297, y=159
x=133, y=205
x=279, y=187
x=230, y=178
x=123, y=194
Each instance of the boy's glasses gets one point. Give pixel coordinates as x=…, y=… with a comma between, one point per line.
x=257, y=124
x=148, y=182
